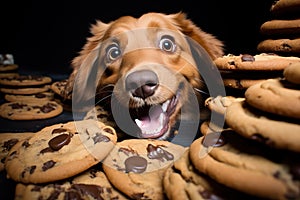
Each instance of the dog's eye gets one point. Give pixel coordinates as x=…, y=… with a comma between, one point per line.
x=167, y=43
x=113, y=52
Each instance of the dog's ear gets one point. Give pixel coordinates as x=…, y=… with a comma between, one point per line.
x=84, y=64
x=210, y=43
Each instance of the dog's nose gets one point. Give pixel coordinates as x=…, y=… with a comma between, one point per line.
x=142, y=83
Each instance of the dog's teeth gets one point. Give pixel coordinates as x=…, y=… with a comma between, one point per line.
x=165, y=105
x=138, y=122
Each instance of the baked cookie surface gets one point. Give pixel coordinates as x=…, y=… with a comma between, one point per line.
x=44, y=96
x=136, y=166
x=292, y=73
x=258, y=125
x=30, y=110
x=26, y=80
x=25, y=90
x=280, y=46
x=274, y=96
x=263, y=61
x=91, y=184
x=281, y=27
x=60, y=151
x=7, y=141
x=239, y=164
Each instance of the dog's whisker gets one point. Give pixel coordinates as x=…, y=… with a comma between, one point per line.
x=104, y=98
x=200, y=91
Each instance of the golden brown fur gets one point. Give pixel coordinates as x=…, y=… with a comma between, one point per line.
x=135, y=59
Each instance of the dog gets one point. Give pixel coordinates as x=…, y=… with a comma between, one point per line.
x=147, y=64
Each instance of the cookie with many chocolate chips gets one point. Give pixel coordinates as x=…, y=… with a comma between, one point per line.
x=91, y=184
x=30, y=110
x=25, y=80
x=7, y=141
x=245, y=165
x=25, y=90
x=43, y=96
x=273, y=130
x=58, y=88
x=60, y=151
x=136, y=166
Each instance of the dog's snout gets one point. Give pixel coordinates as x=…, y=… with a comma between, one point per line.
x=142, y=83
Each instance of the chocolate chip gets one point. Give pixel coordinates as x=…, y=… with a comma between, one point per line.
x=247, y=58
x=70, y=195
x=213, y=139
x=126, y=151
x=47, y=165
x=46, y=150
x=25, y=144
x=54, y=195
x=89, y=190
x=17, y=105
x=156, y=152
x=100, y=138
x=47, y=108
x=40, y=95
x=59, y=141
x=59, y=130
x=138, y=196
x=135, y=164
x=7, y=145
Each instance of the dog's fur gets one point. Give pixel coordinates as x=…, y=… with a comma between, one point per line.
x=169, y=70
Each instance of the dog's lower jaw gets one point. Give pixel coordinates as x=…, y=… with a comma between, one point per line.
x=156, y=124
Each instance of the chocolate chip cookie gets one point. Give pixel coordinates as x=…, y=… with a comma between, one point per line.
x=136, y=166
x=60, y=151
x=30, y=110
x=244, y=165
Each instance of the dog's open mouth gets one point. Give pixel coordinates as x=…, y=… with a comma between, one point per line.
x=153, y=120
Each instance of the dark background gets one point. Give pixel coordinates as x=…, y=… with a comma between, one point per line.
x=47, y=35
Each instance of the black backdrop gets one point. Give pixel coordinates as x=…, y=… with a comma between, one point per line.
x=49, y=34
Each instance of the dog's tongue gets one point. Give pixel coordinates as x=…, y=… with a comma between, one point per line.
x=152, y=125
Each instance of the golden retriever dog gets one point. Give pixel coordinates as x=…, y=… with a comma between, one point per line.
x=147, y=65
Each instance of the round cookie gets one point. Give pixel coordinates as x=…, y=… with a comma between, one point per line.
x=30, y=110
x=292, y=73
x=25, y=90
x=274, y=97
x=263, y=61
x=280, y=46
x=237, y=163
x=261, y=126
x=60, y=151
x=58, y=88
x=182, y=181
x=280, y=26
x=7, y=141
x=91, y=184
x=285, y=7
x=136, y=166
x=44, y=96
x=25, y=80
x=8, y=75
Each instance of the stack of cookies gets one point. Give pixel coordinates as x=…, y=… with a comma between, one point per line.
x=260, y=139
x=242, y=71
x=282, y=32
x=28, y=97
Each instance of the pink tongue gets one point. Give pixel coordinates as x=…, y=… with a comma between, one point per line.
x=152, y=122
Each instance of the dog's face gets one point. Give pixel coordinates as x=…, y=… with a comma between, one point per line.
x=147, y=64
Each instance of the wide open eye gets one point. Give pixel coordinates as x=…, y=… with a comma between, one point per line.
x=113, y=52
x=167, y=43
